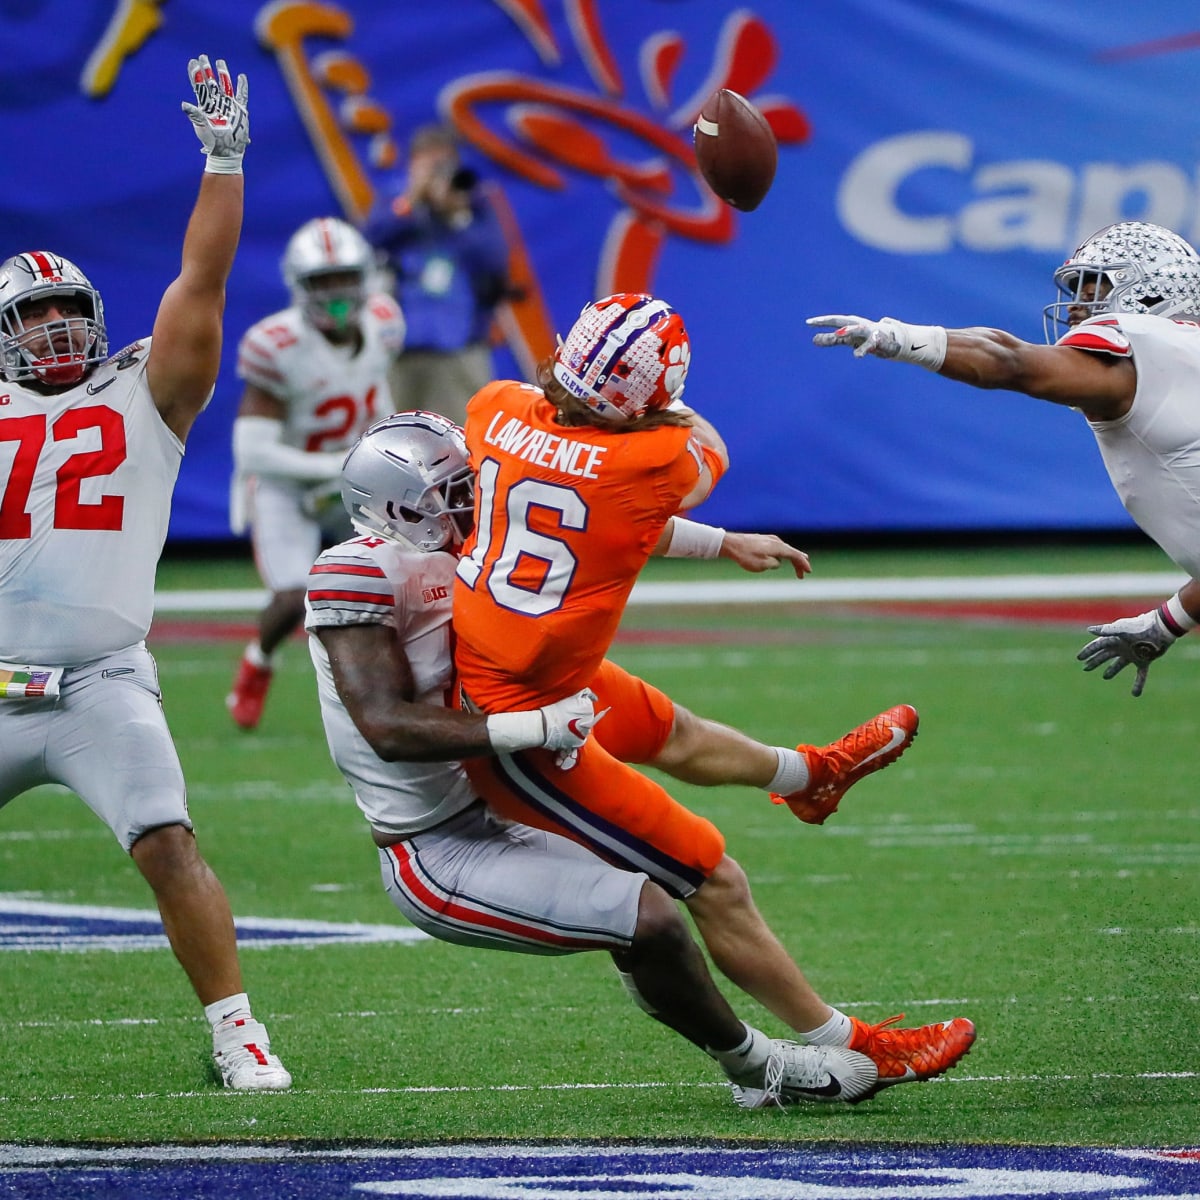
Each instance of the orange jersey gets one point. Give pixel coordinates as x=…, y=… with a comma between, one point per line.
x=565, y=518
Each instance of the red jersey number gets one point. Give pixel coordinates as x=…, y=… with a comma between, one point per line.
x=348, y=415
x=70, y=511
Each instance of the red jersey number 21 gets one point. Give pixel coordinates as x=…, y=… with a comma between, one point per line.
x=70, y=511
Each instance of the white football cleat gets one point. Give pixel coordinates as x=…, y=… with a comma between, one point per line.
x=242, y=1052
x=796, y=1074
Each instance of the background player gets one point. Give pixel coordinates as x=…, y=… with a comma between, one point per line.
x=316, y=376
x=1129, y=361
x=578, y=481
x=379, y=614
x=443, y=245
x=97, y=445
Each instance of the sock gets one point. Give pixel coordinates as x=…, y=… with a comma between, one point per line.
x=255, y=656
x=835, y=1032
x=747, y=1060
x=232, y=1008
x=792, y=773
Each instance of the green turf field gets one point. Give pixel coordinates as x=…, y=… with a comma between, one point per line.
x=1031, y=863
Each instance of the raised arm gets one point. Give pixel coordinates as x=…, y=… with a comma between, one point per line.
x=186, y=352
x=1101, y=385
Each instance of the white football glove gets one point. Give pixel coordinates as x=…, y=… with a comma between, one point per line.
x=885, y=338
x=219, y=115
x=568, y=722
x=1138, y=640
x=563, y=726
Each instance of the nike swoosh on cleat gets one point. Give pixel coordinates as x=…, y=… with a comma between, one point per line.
x=898, y=736
x=827, y=1091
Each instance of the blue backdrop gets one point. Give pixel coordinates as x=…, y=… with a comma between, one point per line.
x=937, y=161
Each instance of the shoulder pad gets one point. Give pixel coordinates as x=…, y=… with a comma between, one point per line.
x=1101, y=334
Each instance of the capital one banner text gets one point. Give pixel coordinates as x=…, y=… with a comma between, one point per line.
x=937, y=161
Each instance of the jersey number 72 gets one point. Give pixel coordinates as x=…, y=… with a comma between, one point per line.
x=70, y=512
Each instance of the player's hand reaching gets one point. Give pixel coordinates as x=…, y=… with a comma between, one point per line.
x=756, y=552
x=867, y=337
x=885, y=338
x=219, y=115
x=1131, y=640
x=568, y=722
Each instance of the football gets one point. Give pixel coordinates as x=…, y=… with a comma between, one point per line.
x=735, y=149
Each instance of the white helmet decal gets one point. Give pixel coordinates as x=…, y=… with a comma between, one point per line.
x=1129, y=267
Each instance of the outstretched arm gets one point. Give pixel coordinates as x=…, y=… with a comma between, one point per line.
x=753, y=552
x=1101, y=385
x=186, y=352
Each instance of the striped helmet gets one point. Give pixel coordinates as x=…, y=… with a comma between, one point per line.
x=408, y=480
x=626, y=355
x=326, y=266
x=57, y=353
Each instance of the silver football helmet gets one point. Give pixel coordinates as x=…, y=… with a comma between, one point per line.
x=56, y=353
x=1129, y=267
x=326, y=266
x=407, y=479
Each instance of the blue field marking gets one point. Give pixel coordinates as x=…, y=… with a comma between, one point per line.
x=36, y=925
x=723, y=1171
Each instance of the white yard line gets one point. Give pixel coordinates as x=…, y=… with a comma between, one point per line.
x=214, y=1093
x=799, y=591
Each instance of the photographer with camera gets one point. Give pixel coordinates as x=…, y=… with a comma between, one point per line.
x=441, y=240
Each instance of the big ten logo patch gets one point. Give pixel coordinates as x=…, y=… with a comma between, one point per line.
x=432, y=594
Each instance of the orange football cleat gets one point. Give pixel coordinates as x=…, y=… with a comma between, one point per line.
x=835, y=768
x=245, y=702
x=910, y=1055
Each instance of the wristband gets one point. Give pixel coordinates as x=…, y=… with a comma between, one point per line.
x=690, y=539
x=924, y=345
x=509, y=732
x=1175, y=617
x=223, y=164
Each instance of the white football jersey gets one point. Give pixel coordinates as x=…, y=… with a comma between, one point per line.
x=331, y=393
x=369, y=581
x=1152, y=454
x=87, y=477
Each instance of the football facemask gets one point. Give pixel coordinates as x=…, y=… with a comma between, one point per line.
x=57, y=352
x=326, y=266
x=1129, y=267
x=408, y=480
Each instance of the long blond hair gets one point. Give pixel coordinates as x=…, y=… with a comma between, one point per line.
x=573, y=411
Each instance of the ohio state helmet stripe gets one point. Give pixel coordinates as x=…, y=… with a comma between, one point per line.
x=326, y=232
x=44, y=266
